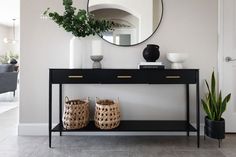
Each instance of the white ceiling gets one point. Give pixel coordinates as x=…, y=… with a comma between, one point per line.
x=9, y=9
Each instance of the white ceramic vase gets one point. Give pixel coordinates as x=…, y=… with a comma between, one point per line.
x=79, y=49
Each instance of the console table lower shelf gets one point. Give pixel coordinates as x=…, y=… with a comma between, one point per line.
x=137, y=126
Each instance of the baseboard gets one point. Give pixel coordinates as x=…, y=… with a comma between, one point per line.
x=41, y=129
x=33, y=129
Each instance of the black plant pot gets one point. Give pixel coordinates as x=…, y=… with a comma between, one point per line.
x=151, y=53
x=215, y=129
x=13, y=61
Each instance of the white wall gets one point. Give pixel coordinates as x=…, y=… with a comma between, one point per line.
x=188, y=26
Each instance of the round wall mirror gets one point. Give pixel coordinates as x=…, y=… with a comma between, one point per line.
x=136, y=20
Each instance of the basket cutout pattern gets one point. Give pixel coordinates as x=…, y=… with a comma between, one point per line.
x=76, y=114
x=107, y=114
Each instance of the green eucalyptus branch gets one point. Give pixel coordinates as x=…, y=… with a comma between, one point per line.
x=79, y=23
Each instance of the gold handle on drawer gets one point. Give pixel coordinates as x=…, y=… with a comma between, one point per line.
x=173, y=77
x=124, y=77
x=75, y=77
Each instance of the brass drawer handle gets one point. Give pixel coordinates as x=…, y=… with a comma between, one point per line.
x=75, y=77
x=173, y=77
x=124, y=77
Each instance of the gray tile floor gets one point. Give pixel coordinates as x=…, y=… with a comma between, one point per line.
x=12, y=145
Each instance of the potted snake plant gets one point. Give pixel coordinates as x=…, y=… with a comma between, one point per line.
x=214, y=106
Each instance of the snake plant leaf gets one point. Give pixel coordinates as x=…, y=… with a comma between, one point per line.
x=219, y=105
x=224, y=103
x=213, y=83
x=207, y=109
x=212, y=100
x=213, y=92
x=208, y=87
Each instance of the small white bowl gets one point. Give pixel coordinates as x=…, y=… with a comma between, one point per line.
x=176, y=59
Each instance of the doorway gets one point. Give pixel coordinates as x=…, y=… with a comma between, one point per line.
x=227, y=58
x=9, y=56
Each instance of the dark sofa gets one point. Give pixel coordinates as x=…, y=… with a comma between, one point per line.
x=8, y=78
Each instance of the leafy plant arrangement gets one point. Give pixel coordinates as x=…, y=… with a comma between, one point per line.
x=79, y=23
x=213, y=104
x=7, y=57
x=4, y=59
x=13, y=55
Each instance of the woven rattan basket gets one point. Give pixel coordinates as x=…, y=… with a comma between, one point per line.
x=76, y=114
x=107, y=114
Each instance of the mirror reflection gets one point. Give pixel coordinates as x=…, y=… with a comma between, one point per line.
x=135, y=20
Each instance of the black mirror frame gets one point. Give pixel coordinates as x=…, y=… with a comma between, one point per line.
x=162, y=3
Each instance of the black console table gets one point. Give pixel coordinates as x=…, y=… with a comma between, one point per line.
x=128, y=76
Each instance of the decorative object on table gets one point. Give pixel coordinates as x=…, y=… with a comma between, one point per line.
x=151, y=53
x=81, y=24
x=97, y=61
x=214, y=105
x=76, y=114
x=107, y=114
x=177, y=59
x=151, y=65
x=78, y=48
x=97, y=54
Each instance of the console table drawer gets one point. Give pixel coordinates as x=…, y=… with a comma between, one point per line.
x=122, y=77
x=172, y=77
x=74, y=76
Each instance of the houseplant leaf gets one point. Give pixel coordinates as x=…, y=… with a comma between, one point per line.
x=224, y=103
x=207, y=109
x=219, y=105
x=214, y=105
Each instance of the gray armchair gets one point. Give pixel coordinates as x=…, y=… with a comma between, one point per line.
x=8, y=78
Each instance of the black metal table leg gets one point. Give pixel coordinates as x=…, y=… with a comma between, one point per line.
x=60, y=108
x=187, y=108
x=219, y=142
x=198, y=109
x=50, y=113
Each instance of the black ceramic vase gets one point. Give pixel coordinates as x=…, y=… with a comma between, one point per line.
x=215, y=129
x=151, y=53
